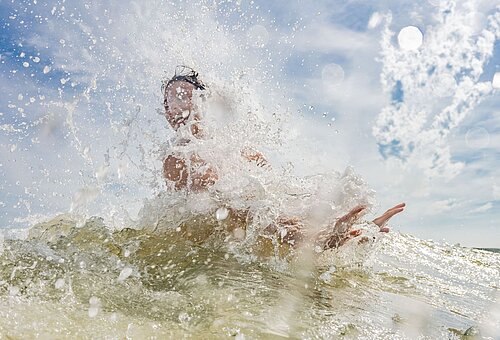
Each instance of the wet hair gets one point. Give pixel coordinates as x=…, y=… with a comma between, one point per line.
x=184, y=73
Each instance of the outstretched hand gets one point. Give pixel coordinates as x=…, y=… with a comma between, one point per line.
x=345, y=222
x=343, y=231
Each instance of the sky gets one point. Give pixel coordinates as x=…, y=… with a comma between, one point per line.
x=418, y=120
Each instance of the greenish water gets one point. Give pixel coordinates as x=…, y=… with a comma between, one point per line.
x=494, y=250
x=90, y=282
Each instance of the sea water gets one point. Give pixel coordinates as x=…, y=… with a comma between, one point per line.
x=67, y=281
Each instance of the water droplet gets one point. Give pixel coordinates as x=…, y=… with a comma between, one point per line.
x=94, y=301
x=444, y=85
x=375, y=20
x=26, y=64
x=239, y=336
x=410, y=38
x=496, y=81
x=477, y=137
x=239, y=233
x=59, y=283
x=93, y=311
x=95, y=305
x=102, y=173
x=36, y=59
x=332, y=74
x=13, y=290
x=221, y=213
x=258, y=36
x=184, y=317
x=46, y=69
x=124, y=274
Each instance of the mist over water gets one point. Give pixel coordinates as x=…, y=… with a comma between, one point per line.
x=95, y=244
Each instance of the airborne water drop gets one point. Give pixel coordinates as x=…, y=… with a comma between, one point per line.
x=410, y=38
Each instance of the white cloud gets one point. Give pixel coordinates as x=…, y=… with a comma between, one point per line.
x=324, y=37
x=496, y=192
x=481, y=209
x=375, y=20
x=439, y=207
x=417, y=127
x=495, y=82
x=428, y=175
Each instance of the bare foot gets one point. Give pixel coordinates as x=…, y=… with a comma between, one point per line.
x=385, y=217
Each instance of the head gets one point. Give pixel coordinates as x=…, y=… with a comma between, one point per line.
x=178, y=96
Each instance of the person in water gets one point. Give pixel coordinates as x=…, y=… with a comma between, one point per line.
x=196, y=174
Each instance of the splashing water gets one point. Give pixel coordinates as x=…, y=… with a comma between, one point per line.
x=90, y=280
x=158, y=263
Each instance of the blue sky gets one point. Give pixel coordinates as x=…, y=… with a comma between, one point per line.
x=79, y=79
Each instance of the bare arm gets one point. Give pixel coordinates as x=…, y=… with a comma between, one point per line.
x=203, y=175
x=175, y=171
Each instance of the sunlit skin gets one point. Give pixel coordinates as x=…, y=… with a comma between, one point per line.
x=344, y=224
x=179, y=108
x=194, y=173
x=197, y=174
